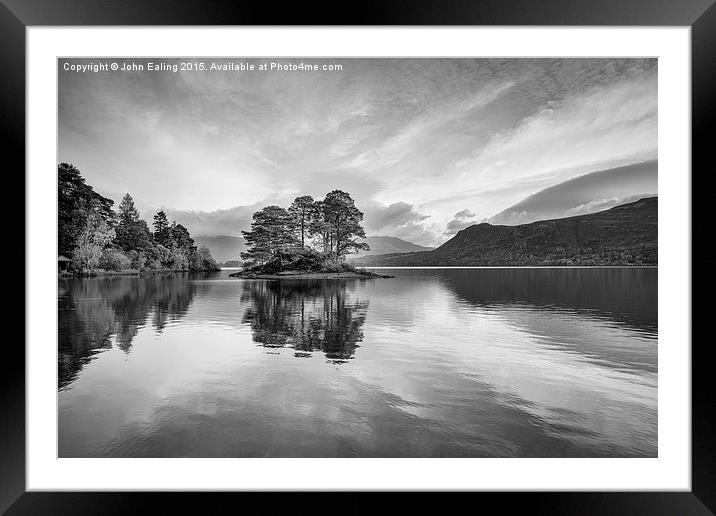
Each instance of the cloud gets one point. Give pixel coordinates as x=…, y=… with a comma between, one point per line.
x=465, y=214
x=612, y=125
x=396, y=214
x=214, y=223
x=460, y=220
x=413, y=140
x=399, y=219
x=588, y=193
x=603, y=204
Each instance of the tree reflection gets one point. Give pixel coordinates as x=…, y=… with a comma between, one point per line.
x=85, y=326
x=164, y=298
x=306, y=315
x=91, y=312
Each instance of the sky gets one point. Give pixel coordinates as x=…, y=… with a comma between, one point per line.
x=424, y=146
x=592, y=192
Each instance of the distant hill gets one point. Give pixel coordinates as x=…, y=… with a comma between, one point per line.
x=226, y=248
x=623, y=235
x=223, y=247
x=590, y=193
x=389, y=245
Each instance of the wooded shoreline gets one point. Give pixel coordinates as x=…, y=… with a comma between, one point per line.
x=101, y=273
x=93, y=239
x=303, y=275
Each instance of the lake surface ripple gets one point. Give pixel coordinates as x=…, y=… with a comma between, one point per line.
x=430, y=363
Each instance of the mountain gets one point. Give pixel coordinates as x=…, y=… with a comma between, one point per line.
x=389, y=245
x=223, y=247
x=623, y=235
x=590, y=193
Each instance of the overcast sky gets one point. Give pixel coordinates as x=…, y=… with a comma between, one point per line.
x=424, y=146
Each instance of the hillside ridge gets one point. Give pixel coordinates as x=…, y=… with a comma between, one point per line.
x=623, y=235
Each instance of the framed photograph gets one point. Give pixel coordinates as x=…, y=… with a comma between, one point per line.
x=438, y=248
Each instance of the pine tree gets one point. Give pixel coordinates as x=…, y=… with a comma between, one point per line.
x=319, y=227
x=128, y=213
x=257, y=243
x=272, y=232
x=343, y=219
x=161, y=228
x=132, y=232
x=301, y=211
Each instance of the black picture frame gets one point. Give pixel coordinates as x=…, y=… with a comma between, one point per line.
x=16, y=15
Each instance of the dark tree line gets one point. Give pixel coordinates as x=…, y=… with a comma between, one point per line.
x=331, y=226
x=77, y=202
x=96, y=237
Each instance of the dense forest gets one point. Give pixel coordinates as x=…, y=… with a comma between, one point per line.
x=314, y=235
x=96, y=238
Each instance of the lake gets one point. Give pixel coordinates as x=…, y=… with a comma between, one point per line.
x=431, y=363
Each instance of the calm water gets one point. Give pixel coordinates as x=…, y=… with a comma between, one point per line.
x=469, y=363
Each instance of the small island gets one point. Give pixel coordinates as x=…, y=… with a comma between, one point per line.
x=309, y=240
x=304, y=264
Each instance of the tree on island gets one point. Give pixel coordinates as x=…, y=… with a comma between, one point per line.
x=319, y=228
x=302, y=210
x=343, y=218
x=272, y=232
x=332, y=225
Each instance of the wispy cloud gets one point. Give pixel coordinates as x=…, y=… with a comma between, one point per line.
x=413, y=140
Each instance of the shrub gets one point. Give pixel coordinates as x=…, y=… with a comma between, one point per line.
x=153, y=263
x=159, y=257
x=138, y=260
x=179, y=260
x=114, y=260
x=91, y=242
x=201, y=260
x=333, y=265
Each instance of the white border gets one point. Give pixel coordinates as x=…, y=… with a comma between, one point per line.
x=670, y=471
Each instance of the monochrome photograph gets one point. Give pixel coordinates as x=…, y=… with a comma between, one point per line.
x=357, y=257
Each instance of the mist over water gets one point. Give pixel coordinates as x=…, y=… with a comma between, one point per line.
x=430, y=363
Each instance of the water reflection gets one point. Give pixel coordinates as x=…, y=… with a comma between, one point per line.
x=306, y=315
x=95, y=312
x=568, y=308
x=431, y=363
x=623, y=295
